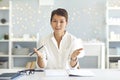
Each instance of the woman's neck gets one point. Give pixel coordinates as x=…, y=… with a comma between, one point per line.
x=58, y=37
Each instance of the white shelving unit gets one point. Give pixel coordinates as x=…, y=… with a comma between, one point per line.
x=94, y=55
x=4, y=30
x=113, y=33
x=8, y=58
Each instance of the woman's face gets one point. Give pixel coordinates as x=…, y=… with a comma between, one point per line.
x=58, y=23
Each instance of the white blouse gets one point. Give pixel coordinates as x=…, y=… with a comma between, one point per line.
x=59, y=58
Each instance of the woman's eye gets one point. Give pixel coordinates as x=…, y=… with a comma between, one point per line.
x=54, y=21
x=61, y=21
x=58, y=21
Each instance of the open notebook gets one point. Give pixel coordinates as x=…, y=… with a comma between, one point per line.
x=8, y=76
x=81, y=73
x=74, y=72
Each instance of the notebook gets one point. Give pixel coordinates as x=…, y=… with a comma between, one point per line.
x=9, y=76
x=81, y=73
x=71, y=72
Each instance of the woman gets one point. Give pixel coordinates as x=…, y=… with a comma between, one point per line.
x=61, y=49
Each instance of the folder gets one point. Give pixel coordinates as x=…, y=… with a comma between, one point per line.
x=9, y=76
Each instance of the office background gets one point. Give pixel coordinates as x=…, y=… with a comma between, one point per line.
x=86, y=18
x=95, y=22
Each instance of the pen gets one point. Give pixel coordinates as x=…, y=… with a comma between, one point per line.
x=37, y=50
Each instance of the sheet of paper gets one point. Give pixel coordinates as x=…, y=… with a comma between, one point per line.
x=56, y=72
x=80, y=72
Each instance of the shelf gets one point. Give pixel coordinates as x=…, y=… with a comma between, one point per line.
x=4, y=8
x=4, y=55
x=114, y=24
x=6, y=24
x=114, y=40
x=113, y=8
x=23, y=40
x=4, y=40
x=114, y=56
x=22, y=56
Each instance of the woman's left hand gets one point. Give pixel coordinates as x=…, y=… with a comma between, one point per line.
x=76, y=53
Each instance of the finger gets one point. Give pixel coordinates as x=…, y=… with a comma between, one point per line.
x=80, y=49
x=35, y=50
x=78, y=53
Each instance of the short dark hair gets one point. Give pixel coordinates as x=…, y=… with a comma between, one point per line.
x=61, y=12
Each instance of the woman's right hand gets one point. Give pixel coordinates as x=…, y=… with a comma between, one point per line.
x=76, y=53
x=40, y=58
x=39, y=54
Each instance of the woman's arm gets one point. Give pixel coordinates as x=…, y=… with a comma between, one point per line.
x=40, y=60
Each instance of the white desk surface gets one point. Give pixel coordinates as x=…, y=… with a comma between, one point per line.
x=100, y=74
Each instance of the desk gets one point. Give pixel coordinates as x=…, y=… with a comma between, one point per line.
x=100, y=74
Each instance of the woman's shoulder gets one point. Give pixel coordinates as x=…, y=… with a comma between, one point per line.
x=46, y=37
x=71, y=36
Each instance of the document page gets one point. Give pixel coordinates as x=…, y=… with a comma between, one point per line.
x=80, y=72
x=56, y=72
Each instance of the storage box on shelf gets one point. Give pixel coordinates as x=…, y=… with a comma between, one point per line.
x=4, y=63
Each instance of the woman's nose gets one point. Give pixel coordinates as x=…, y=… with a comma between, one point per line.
x=58, y=23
